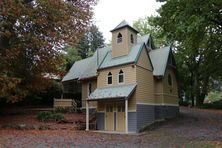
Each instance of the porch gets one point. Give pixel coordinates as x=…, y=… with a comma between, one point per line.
x=113, y=105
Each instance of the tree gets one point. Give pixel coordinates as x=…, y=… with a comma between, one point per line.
x=196, y=29
x=71, y=57
x=91, y=40
x=32, y=35
x=147, y=26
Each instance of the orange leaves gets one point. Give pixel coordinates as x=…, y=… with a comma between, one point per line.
x=32, y=37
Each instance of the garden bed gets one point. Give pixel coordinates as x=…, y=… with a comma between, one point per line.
x=28, y=120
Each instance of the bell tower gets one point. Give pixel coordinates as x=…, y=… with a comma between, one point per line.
x=123, y=38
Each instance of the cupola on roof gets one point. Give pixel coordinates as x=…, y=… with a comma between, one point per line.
x=122, y=25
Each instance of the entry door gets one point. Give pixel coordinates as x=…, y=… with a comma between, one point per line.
x=120, y=126
x=109, y=117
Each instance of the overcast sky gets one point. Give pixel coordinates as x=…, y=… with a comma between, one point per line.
x=109, y=13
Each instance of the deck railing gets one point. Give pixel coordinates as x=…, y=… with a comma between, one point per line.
x=64, y=103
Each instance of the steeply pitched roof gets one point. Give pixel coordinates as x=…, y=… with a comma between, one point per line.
x=130, y=58
x=121, y=91
x=86, y=68
x=159, y=58
x=122, y=25
x=102, y=58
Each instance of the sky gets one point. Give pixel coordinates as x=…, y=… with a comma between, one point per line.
x=109, y=13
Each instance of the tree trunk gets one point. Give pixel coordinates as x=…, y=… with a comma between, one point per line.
x=203, y=92
x=191, y=90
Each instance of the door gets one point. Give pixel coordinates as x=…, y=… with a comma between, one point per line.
x=109, y=117
x=120, y=126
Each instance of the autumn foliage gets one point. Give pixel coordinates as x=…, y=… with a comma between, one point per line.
x=33, y=34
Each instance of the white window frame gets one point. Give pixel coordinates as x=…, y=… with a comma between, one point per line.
x=123, y=77
x=131, y=39
x=88, y=88
x=168, y=80
x=107, y=80
x=119, y=39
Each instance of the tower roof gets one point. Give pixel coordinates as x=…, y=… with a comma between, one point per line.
x=122, y=25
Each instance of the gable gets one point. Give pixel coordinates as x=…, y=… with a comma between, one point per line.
x=173, y=89
x=171, y=60
x=159, y=59
x=144, y=60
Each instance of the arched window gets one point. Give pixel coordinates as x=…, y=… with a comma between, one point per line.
x=131, y=38
x=119, y=38
x=121, y=76
x=89, y=88
x=109, y=78
x=170, y=80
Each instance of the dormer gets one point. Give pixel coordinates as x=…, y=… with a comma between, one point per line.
x=123, y=38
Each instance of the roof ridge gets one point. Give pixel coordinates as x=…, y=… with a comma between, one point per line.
x=123, y=24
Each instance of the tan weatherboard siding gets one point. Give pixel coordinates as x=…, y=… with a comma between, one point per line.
x=144, y=76
x=158, y=91
x=144, y=90
x=170, y=97
x=144, y=61
x=129, y=76
x=85, y=93
x=124, y=47
x=131, y=104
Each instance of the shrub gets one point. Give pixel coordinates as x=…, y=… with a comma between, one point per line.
x=183, y=103
x=65, y=110
x=49, y=116
x=213, y=105
x=57, y=117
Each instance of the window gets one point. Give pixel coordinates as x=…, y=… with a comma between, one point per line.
x=170, y=80
x=109, y=108
x=131, y=38
x=109, y=79
x=89, y=88
x=121, y=108
x=121, y=76
x=119, y=38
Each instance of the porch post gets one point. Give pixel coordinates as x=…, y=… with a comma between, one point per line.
x=87, y=115
x=126, y=115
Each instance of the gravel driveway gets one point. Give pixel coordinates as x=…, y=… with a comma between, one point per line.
x=193, y=128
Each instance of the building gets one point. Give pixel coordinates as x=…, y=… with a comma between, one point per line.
x=129, y=84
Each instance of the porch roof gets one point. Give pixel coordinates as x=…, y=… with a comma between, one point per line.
x=118, y=92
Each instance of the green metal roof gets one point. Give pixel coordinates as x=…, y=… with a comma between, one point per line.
x=159, y=58
x=130, y=58
x=122, y=25
x=86, y=68
x=102, y=58
x=143, y=39
x=121, y=91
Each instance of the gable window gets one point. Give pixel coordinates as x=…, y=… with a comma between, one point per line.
x=89, y=88
x=131, y=38
x=119, y=38
x=170, y=80
x=121, y=76
x=109, y=78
